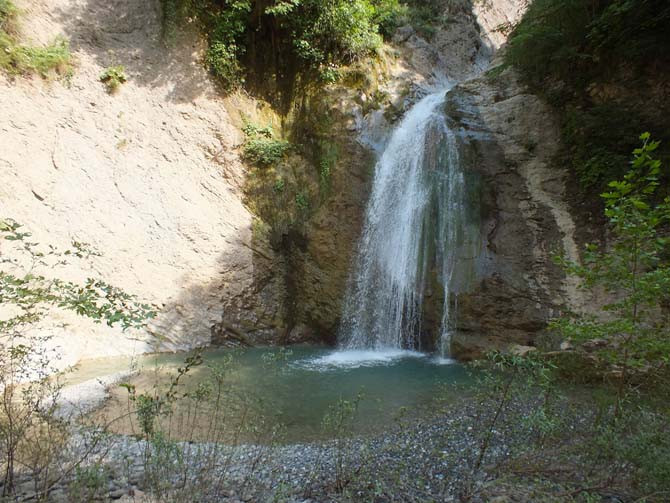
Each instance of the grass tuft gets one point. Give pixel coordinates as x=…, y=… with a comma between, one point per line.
x=18, y=59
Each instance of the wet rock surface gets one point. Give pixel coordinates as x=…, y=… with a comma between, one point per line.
x=509, y=139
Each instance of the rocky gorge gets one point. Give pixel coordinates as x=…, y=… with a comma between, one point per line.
x=334, y=251
x=213, y=276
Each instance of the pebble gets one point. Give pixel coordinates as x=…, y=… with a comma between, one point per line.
x=429, y=455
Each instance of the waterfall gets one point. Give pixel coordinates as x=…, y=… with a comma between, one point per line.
x=416, y=226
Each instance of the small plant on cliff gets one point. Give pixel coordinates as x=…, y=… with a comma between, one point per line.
x=223, y=63
x=635, y=270
x=113, y=77
x=17, y=59
x=302, y=201
x=8, y=12
x=261, y=147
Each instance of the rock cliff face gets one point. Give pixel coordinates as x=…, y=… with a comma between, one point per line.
x=459, y=50
x=151, y=177
x=509, y=138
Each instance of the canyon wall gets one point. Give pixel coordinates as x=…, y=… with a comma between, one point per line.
x=151, y=177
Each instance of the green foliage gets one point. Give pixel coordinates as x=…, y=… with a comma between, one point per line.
x=31, y=431
x=574, y=40
x=328, y=155
x=336, y=30
x=89, y=483
x=590, y=59
x=329, y=74
x=30, y=293
x=279, y=185
x=582, y=438
x=222, y=60
x=647, y=449
x=163, y=458
x=174, y=12
x=285, y=36
x=261, y=147
x=550, y=37
x=113, y=77
x=598, y=141
x=389, y=15
x=21, y=60
x=302, y=201
x=148, y=406
x=8, y=12
x=17, y=59
x=426, y=16
x=634, y=269
x=337, y=422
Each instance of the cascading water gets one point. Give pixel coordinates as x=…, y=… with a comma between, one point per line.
x=416, y=227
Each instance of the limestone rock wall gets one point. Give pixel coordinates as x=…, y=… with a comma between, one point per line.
x=149, y=176
x=320, y=262
x=510, y=138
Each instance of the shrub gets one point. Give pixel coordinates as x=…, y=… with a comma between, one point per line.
x=265, y=151
x=261, y=147
x=302, y=201
x=8, y=13
x=289, y=35
x=388, y=15
x=89, y=483
x=222, y=60
x=21, y=60
x=339, y=30
x=634, y=269
x=566, y=49
x=33, y=433
x=113, y=77
x=17, y=59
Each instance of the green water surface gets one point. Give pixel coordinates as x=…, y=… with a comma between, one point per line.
x=292, y=389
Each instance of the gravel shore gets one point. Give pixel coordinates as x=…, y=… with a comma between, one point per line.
x=422, y=460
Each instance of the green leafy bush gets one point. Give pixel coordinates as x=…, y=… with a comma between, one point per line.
x=336, y=30
x=634, y=269
x=573, y=40
x=21, y=60
x=261, y=147
x=89, y=483
x=113, y=77
x=32, y=433
x=17, y=59
x=302, y=201
x=285, y=36
x=568, y=50
x=388, y=15
x=8, y=13
x=222, y=60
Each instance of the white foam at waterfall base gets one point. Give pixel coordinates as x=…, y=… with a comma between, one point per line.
x=354, y=358
x=438, y=360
